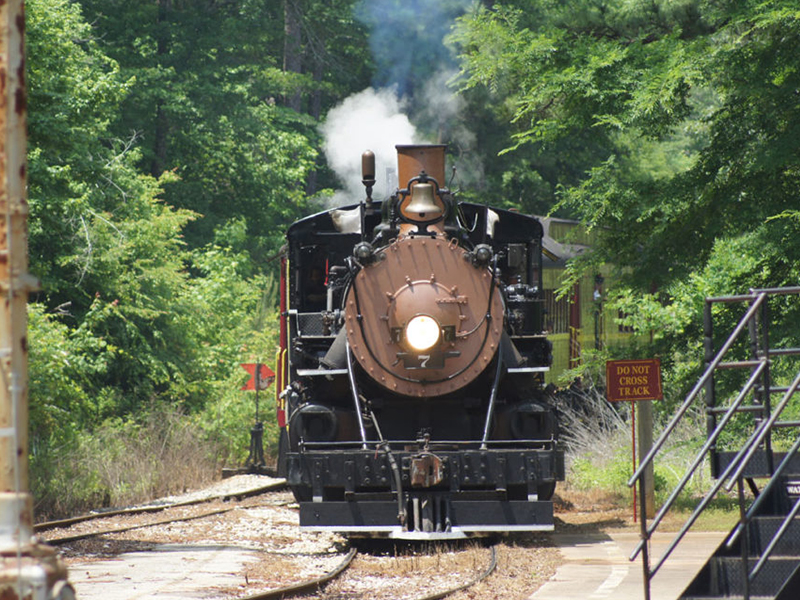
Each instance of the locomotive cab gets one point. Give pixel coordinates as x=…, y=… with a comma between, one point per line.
x=412, y=362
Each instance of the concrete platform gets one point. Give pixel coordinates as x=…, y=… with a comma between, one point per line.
x=597, y=566
x=140, y=575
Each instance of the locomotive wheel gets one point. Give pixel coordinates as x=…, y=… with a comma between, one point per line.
x=545, y=491
x=302, y=493
x=283, y=448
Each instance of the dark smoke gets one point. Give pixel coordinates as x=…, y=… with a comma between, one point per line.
x=407, y=40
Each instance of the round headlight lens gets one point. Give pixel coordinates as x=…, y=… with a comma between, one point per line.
x=422, y=332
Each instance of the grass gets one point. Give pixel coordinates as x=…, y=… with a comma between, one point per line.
x=125, y=462
x=599, y=461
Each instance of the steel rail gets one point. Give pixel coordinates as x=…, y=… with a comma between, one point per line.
x=480, y=577
x=90, y=534
x=306, y=587
x=135, y=510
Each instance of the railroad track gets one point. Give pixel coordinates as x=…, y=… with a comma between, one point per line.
x=480, y=577
x=272, y=557
x=59, y=541
x=307, y=587
x=152, y=508
x=316, y=587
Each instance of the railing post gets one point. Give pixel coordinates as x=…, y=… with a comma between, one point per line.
x=708, y=347
x=745, y=540
x=28, y=569
x=645, y=539
x=767, y=396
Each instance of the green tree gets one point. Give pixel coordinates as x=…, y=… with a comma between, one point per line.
x=208, y=104
x=118, y=323
x=74, y=90
x=688, y=119
x=691, y=106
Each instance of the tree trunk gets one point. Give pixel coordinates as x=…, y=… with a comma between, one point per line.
x=292, y=47
x=162, y=123
x=160, y=143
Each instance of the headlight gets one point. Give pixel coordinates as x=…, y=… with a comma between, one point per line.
x=422, y=333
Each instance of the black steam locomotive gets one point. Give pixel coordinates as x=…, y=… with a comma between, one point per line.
x=411, y=400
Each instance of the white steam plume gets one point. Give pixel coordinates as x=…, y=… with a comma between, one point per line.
x=370, y=120
x=440, y=110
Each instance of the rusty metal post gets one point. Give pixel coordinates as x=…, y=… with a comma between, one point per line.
x=28, y=569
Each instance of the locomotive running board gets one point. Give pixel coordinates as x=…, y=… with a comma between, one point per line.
x=466, y=517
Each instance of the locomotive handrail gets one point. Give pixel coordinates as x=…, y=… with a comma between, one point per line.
x=493, y=397
x=527, y=370
x=435, y=444
x=354, y=389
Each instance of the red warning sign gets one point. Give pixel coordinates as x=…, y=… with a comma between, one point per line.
x=261, y=376
x=633, y=380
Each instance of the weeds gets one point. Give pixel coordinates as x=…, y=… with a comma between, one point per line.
x=599, y=460
x=123, y=462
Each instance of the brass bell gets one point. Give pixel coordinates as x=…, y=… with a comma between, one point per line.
x=423, y=203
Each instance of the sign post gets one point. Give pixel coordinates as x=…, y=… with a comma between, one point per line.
x=638, y=381
x=261, y=377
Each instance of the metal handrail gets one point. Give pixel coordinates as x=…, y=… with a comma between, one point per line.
x=699, y=509
x=735, y=469
x=700, y=456
x=763, y=431
x=696, y=390
x=747, y=517
x=768, y=488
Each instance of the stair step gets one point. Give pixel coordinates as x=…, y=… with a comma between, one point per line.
x=758, y=465
x=726, y=597
x=727, y=577
x=763, y=529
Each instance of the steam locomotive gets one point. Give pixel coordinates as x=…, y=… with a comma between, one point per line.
x=411, y=399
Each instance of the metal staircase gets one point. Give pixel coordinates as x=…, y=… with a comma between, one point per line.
x=761, y=557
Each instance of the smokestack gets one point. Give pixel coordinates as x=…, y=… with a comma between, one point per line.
x=411, y=159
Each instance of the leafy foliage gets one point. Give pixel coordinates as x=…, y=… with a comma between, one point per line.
x=690, y=105
x=171, y=142
x=132, y=318
x=208, y=104
x=689, y=113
